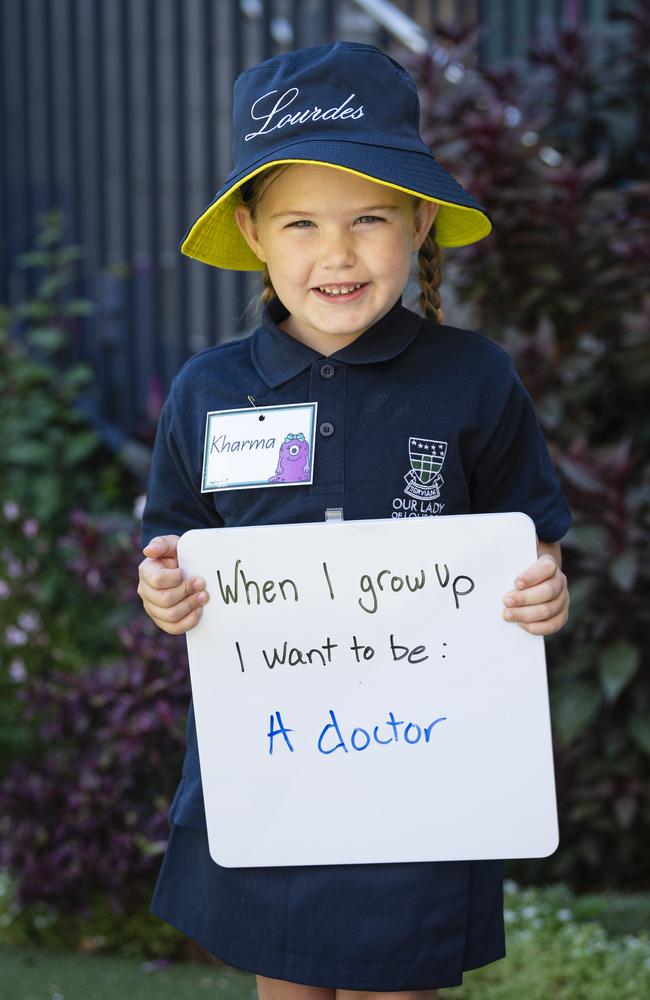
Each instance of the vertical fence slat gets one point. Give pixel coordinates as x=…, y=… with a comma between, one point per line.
x=74, y=161
x=210, y=26
x=520, y=28
x=145, y=330
x=182, y=52
x=153, y=171
x=111, y=276
x=196, y=138
x=130, y=375
x=47, y=97
x=490, y=46
x=62, y=113
x=235, y=282
x=4, y=179
x=94, y=187
x=296, y=21
x=97, y=183
x=36, y=163
x=168, y=40
x=27, y=187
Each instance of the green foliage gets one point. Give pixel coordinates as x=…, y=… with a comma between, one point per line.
x=49, y=458
x=51, y=461
x=101, y=929
x=558, y=946
x=30, y=974
x=551, y=146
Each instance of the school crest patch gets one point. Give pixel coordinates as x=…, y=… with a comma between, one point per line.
x=423, y=480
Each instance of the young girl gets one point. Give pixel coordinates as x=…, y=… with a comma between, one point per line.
x=332, y=193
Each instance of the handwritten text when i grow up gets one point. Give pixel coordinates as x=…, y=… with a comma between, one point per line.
x=240, y=588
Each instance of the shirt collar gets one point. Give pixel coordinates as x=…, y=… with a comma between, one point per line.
x=278, y=357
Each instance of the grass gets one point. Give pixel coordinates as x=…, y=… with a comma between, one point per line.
x=559, y=946
x=38, y=975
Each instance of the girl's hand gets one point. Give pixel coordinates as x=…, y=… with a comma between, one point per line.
x=540, y=604
x=172, y=602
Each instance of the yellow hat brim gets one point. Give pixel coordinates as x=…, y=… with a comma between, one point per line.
x=215, y=237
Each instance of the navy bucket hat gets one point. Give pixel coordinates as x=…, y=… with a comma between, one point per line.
x=345, y=105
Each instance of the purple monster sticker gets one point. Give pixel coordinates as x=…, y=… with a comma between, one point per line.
x=293, y=461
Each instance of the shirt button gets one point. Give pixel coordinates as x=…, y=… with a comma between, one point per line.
x=326, y=429
x=327, y=371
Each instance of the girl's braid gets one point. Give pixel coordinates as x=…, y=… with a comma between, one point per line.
x=268, y=291
x=430, y=276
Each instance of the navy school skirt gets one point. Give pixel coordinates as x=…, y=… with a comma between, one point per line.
x=375, y=927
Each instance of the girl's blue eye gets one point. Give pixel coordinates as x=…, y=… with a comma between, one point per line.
x=300, y=224
x=370, y=218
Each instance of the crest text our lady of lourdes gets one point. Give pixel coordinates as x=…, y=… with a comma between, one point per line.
x=268, y=112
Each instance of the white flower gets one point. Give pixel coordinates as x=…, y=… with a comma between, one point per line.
x=15, y=636
x=11, y=510
x=17, y=671
x=512, y=116
x=29, y=620
x=14, y=569
x=30, y=527
x=551, y=157
x=454, y=72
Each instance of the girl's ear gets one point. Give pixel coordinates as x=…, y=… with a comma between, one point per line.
x=425, y=213
x=248, y=229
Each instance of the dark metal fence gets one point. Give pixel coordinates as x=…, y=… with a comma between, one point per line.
x=118, y=112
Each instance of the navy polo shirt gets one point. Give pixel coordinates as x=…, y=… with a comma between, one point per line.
x=407, y=386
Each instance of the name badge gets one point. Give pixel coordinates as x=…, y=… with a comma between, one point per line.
x=265, y=446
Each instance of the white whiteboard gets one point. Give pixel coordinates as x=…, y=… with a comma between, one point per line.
x=471, y=778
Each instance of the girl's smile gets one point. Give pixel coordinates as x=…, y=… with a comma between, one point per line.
x=338, y=249
x=341, y=292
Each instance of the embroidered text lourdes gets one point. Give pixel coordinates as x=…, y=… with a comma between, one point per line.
x=298, y=117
